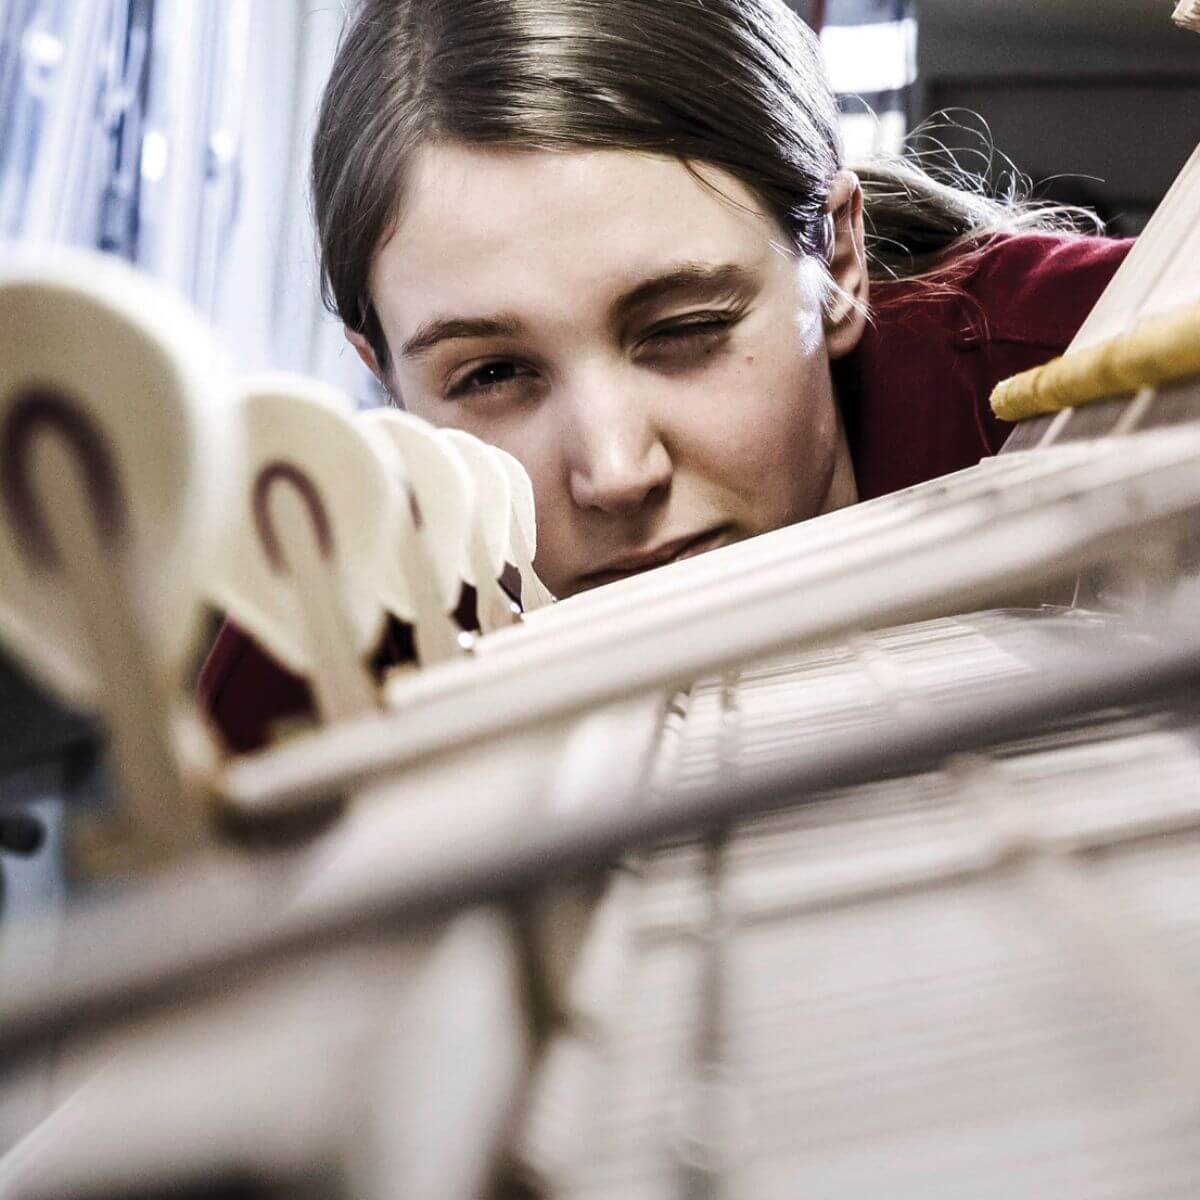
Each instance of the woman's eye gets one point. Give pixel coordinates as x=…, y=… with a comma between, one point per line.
x=490, y=377
x=693, y=329
x=694, y=337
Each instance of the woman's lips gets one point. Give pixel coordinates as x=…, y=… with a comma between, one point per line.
x=660, y=556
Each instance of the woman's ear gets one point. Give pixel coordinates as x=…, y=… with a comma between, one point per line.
x=363, y=349
x=846, y=309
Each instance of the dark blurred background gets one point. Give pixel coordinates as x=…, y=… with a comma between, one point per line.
x=1096, y=101
x=1101, y=98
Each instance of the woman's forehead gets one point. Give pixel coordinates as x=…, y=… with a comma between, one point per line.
x=484, y=226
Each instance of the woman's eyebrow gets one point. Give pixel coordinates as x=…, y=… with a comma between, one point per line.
x=693, y=279
x=688, y=280
x=445, y=329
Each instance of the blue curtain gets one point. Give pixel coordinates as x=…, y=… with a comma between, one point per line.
x=174, y=133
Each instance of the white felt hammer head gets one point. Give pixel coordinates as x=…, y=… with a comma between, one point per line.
x=524, y=511
x=313, y=486
x=110, y=376
x=442, y=496
x=493, y=496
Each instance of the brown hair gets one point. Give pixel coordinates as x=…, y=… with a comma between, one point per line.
x=738, y=84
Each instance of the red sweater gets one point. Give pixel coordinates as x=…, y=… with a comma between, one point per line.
x=914, y=396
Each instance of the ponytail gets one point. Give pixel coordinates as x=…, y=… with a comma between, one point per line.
x=922, y=210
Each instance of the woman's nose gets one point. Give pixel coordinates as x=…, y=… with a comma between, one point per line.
x=618, y=462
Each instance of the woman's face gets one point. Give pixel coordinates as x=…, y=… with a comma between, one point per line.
x=651, y=350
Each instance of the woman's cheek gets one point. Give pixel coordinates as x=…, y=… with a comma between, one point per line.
x=764, y=429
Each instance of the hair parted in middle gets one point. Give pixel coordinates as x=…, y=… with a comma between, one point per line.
x=735, y=84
